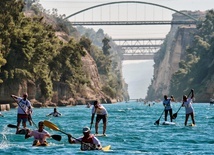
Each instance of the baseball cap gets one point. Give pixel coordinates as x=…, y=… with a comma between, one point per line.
x=85, y=129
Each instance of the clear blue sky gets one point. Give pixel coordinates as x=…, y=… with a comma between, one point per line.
x=69, y=7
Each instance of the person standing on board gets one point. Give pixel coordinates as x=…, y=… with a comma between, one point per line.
x=101, y=112
x=39, y=135
x=24, y=110
x=55, y=113
x=187, y=103
x=168, y=106
x=88, y=141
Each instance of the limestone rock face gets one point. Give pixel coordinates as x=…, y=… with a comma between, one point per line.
x=173, y=51
x=62, y=95
x=177, y=42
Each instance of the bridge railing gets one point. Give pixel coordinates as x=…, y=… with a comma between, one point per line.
x=133, y=23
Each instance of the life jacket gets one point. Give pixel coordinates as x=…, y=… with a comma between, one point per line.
x=87, y=143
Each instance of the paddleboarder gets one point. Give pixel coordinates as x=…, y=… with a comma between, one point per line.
x=55, y=113
x=168, y=106
x=88, y=141
x=24, y=110
x=187, y=103
x=101, y=112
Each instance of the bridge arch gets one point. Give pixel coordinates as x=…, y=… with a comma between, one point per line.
x=139, y=2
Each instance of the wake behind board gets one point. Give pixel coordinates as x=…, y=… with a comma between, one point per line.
x=168, y=123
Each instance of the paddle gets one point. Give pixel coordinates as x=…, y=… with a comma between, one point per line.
x=92, y=119
x=24, y=111
x=175, y=114
x=158, y=121
x=54, y=127
x=56, y=137
x=12, y=126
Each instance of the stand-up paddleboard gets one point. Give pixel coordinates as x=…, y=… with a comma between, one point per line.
x=22, y=131
x=168, y=123
x=191, y=124
x=100, y=135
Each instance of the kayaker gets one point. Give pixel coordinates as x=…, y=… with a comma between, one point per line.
x=39, y=135
x=55, y=113
x=101, y=112
x=88, y=141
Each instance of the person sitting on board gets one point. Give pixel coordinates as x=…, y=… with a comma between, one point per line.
x=24, y=110
x=55, y=113
x=168, y=106
x=187, y=103
x=101, y=112
x=39, y=135
x=88, y=141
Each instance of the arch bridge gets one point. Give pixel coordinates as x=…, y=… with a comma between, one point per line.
x=133, y=2
x=136, y=46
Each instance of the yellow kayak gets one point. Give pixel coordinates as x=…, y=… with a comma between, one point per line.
x=106, y=148
x=36, y=143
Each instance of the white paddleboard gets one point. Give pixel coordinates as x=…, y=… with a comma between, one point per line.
x=168, y=123
x=100, y=135
x=191, y=125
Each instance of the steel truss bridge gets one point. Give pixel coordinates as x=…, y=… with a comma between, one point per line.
x=141, y=48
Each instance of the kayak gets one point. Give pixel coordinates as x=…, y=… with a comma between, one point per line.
x=41, y=145
x=36, y=143
x=106, y=148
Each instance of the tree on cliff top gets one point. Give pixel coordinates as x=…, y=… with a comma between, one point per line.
x=28, y=49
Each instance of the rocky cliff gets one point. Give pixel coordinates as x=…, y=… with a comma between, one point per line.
x=171, y=53
x=61, y=91
x=62, y=96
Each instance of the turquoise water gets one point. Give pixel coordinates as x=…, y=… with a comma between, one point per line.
x=131, y=130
